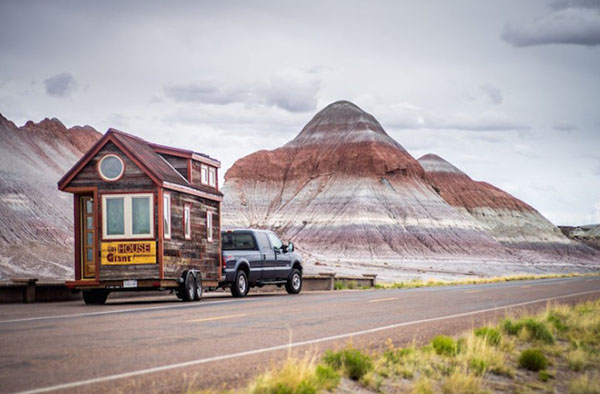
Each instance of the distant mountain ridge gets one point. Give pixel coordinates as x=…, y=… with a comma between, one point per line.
x=351, y=196
x=36, y=220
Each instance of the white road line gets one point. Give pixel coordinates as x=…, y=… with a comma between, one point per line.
x=118, y=311
x=384, y=299
x=285, y=346
x=216, y=318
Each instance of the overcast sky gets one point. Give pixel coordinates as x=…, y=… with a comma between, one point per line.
x=508, y=91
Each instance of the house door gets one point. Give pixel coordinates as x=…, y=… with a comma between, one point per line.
x=88, y=236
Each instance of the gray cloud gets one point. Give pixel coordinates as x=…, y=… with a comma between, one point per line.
x=60, y=85
x=291, y=90
x=494, y=94
x=569, y=23
x=406, y=116
x=562, y=4
x=564, y=126
x=208, y=92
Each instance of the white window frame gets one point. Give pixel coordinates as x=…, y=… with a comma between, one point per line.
x=209, y=226
x=212, y=176
x=167, y=212
x=187, y=221
x=204, y=174
x=127, y=216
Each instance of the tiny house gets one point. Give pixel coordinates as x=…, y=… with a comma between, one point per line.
x=147, y=217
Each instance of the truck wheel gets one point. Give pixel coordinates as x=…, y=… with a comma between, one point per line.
x=95, y=297
x=294, y=284
x=188, y=291
x=198, y=284
x=239, y=288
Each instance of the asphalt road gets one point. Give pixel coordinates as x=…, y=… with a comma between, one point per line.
x=163, y=345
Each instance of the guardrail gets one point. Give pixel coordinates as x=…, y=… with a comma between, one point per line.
x=31, y=290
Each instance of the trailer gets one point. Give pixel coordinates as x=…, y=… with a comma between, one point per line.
x=146, y=217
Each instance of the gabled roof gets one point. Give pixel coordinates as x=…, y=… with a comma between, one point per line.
x=143, y=154
x=188, y=154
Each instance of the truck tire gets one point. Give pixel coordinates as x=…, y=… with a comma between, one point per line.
x=294, y=283
x=198, y=285
x=95, y=296
x=188, y=290
x=239, y=288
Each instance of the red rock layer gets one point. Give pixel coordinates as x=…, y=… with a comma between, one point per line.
x=344, y=189
x=508, y=219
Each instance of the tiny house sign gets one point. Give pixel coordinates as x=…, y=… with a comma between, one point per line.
x=118, y=253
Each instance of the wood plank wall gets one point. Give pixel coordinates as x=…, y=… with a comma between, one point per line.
x=179, y=163
x=197, y=178
x=133, y=180
x=181, y=254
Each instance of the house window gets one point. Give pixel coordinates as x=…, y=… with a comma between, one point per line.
x=127, y=216
x=167, y=215
x=111, y=167
x=212, y=177
x=204, y=174
x=187, y=224
x=209, y=226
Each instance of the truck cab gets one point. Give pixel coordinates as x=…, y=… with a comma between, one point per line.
x=254, y=258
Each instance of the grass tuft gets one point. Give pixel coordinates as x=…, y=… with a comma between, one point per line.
x=585, y=384
x=351, y=361
x=533, y=360
x=461, y=383
x=491, y=335
x=444, y=345
x=296, y=376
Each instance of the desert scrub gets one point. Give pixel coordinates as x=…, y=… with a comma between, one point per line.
x=444, y=345
x=491, y=335
x=415, y=283
x=352, y=362
x=577, y=359
x=468, y=362
x=479, y=356
x=533, y=360
x=528, y=328
x=296, y=376
x=461, y=383
x=585, y=384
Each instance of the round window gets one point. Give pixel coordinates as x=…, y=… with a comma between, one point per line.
x=111, y=167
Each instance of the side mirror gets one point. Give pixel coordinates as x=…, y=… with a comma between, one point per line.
x=290, y=247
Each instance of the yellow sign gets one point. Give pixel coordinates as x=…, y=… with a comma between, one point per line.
x=122, y=253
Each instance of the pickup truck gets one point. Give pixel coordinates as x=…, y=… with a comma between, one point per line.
x=254, y=258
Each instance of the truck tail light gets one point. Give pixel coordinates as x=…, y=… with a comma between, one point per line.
x=225, y=258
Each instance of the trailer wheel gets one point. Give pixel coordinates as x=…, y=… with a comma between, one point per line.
x=239, y=288
x=198, y=284
x=95, y=297
x=189, y=287
x=294, y=284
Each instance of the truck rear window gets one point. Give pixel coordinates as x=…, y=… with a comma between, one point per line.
x=233, y=241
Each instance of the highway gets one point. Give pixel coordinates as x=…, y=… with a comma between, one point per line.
x=160, y=344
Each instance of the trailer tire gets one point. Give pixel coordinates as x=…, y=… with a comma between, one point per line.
x=188, y=290
x=198, y=287
x=294, y=284
x=239, y=288
x=95, y=296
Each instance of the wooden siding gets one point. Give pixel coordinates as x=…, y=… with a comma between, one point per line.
x=181, y=254
x=197, y=178
x=179, y=163
x=133, y=178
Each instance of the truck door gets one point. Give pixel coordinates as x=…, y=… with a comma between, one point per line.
x=283, y=261
x=268, y=256
x=248, y=243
